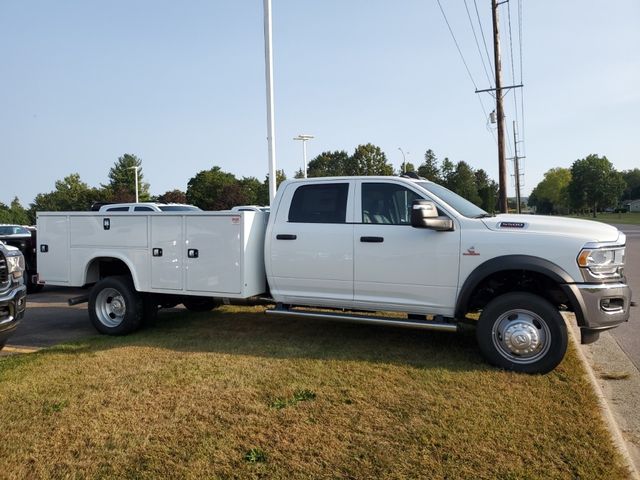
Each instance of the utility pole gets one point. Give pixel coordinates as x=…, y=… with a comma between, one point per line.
x=516, y=167
x=136, y=170
x=502, y=161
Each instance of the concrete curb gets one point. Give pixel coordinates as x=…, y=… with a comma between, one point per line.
x=609, y=420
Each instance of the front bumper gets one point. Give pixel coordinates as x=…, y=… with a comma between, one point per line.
x=600, y=307
x=12, y=307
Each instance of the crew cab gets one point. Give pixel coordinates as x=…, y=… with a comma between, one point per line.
x=352, y=245
x=12, y=291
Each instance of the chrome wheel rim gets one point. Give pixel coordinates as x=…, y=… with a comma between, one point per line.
x=521, y=336
x=110, y=307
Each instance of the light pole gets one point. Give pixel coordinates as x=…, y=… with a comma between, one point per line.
x=268, y=67
x=404, y=161
x=136, y=169
x=304, y=138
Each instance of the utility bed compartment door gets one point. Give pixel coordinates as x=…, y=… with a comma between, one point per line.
x=213, y=253
x=53, y=248
x=119, y=231
x=167, y=252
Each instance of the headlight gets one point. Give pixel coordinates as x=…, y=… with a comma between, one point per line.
x=602, y=262
x=15, y=264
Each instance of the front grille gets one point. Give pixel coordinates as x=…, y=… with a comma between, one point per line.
x=4, y=272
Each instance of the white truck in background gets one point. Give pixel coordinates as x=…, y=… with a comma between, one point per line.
x=353, y=245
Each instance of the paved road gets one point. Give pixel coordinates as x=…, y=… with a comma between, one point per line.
x=49, y=320
x=627, y=335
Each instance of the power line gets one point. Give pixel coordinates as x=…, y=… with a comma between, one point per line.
x=484, y=66
x=457, y=45
x=521, y=72
x=444, y=15
x=484, y=40
x=513, y=68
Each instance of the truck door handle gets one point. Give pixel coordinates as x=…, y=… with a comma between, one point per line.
x=286, y=236
x=372, y=239
x=193, y=253
x=157, y=252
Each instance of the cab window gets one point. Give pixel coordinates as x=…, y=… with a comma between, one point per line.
x=320, y=203
x=387, y=203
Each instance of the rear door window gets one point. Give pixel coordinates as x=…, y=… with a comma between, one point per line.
x=320, y=203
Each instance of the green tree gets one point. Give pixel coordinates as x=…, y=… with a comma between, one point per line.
x=252, y=188
x=70, y=194
x=463, y=182
x=595, y=183
x=328, y=164
x=407, y=167
x=632, y=184
x=446, y=173
x=369, y=159
x=487, y=191
x=206, y=188
x=263, y=195
x=551, y=195
x=429, y=169
x=173, y=196
x=122, y=180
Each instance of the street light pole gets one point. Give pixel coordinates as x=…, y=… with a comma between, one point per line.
x=136, y=170
x=404, y=161
x=304, y=138
x=271, y=133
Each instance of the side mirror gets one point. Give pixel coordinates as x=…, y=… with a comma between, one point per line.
x=424, y=214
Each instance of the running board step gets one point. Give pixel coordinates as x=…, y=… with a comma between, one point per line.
x=353, y=318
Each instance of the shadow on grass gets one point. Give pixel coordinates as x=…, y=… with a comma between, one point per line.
x=250, y=332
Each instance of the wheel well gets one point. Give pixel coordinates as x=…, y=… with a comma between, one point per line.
x=102, y=267
x=499, y=283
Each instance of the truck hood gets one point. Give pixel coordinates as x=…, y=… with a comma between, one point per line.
x=589, y=230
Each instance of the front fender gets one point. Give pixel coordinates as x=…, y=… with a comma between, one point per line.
x=519, y=262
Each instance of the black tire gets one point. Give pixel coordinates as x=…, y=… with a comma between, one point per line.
x=115, y=307
x=150, y=307
x=522, y=332
x=200, y=304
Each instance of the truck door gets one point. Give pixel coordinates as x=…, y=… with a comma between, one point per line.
x=395, y=264
x=311, y=244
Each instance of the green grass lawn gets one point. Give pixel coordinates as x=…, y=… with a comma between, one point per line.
x=628, y=218
x=236, y=394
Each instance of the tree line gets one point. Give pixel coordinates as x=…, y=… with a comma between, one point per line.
x=215, y=189
x=590, y=185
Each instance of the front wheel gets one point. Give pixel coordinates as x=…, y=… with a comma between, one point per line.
x=522, y=332
x=115, y=308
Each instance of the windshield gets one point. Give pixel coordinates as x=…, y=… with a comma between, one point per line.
x=178, y=208
x=462, y=205
x=11, y=230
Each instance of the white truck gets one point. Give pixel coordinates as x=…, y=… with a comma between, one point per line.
x=356, y=246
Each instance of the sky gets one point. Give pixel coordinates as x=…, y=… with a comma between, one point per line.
x=182, y=85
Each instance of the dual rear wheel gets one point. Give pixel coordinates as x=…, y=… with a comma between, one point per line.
x=116, y=308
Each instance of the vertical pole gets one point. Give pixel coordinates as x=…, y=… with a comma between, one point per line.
x=516, y=167
x=136, y=169
x=268, y=60
x=304, y=156
x=502, y=161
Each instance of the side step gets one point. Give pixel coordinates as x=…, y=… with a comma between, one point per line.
x=354, y=318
